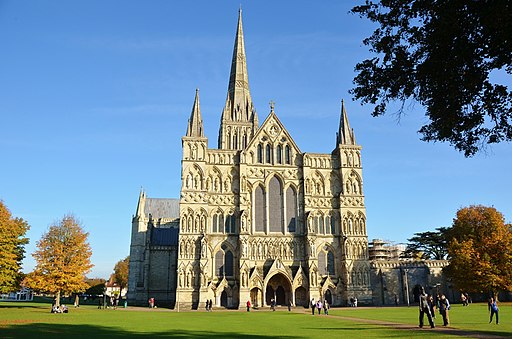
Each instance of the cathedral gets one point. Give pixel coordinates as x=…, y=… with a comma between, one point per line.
x=257, y=219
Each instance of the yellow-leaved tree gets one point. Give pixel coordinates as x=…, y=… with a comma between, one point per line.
x=63, y=258
x=480, y=250
x=121, y=273
x=12, y=249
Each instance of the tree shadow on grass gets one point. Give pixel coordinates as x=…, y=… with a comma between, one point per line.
x=43, y=330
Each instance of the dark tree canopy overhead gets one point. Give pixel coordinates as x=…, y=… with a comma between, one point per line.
x=448, y=55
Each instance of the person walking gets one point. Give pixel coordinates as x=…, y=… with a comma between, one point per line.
x=444, y=307
x=326, y=307
x=313, y=305
x=424, y=308
x=248, y=306
x=210, y=307
x=319, y=306
x=493, y=308
x=432, y=306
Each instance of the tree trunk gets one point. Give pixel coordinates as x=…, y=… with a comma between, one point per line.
x=57, y=299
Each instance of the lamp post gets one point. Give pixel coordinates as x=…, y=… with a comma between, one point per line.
x=406, y=286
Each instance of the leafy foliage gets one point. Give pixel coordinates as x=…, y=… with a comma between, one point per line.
x=448, y=56
x=480, y=250
x=12, y=249
x=62, y=259
x=121, y=272
x=428, y=245
x=96, y=286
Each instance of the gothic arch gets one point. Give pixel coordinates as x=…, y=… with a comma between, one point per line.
x=259, y=210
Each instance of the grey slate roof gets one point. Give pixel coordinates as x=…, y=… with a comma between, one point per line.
x=162, y=208
x=164, y=236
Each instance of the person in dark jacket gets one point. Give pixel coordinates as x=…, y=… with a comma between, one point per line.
x=444, y=307
x=424, y=308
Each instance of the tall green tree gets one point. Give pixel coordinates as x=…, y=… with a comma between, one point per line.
x=12, y=249
x=453, y=57
x=430, y=245
x=480, y=250
x=63, y=258
x=121, y=273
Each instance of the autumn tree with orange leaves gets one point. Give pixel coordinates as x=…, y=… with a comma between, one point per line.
x=480, y=250
x=63, y=258
x=12, y=249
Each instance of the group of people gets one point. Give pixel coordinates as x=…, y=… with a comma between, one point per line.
x=427, y=307
x=208, y=305
x=58, y=309
x=353, y=302
x=319, y=305
x=465, y=299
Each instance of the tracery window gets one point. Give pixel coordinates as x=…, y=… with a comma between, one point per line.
x=217, y=222
x=219, y=263
x=260, y=153
x=228, y=264
x=268, y=154
x=279, y=154
x=230, y=224
x=287, y=155
x=330, y=263
x=259, y=210
x=275, y=201
x=291, y=209
x=322, y=265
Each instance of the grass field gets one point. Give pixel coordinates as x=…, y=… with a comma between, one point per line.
x=33, y=320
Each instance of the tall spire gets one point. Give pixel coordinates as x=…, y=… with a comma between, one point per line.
x=195, y=123
x=345, y=135
x=239, y=119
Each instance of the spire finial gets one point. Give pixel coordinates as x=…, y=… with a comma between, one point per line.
x=272, y=104
x=345, y=135
x=195, y=123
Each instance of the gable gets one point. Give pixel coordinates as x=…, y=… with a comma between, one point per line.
x=271, y=133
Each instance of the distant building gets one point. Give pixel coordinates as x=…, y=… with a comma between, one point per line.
x=112, y=288
x=25, y=294
x=381, y=250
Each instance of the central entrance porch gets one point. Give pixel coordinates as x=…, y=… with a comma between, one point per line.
x=278, y=288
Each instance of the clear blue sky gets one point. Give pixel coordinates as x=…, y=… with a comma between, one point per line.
x=95, y=97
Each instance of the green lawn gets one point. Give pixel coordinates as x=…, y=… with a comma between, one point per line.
x=33, y=320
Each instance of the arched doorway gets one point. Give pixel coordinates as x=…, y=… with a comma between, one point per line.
x=269, y=293
x=279, y=289
x=224, y=299
x=256, y=295
x=328, y=296
x=301, y=297
x=280, y=296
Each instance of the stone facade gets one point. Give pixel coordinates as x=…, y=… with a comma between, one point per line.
x=258, y=219
x=398, y=281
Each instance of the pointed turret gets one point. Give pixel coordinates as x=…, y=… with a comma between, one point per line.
x=141, y=205
x=345, y=135
x=239, y=119
x=195, y=123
